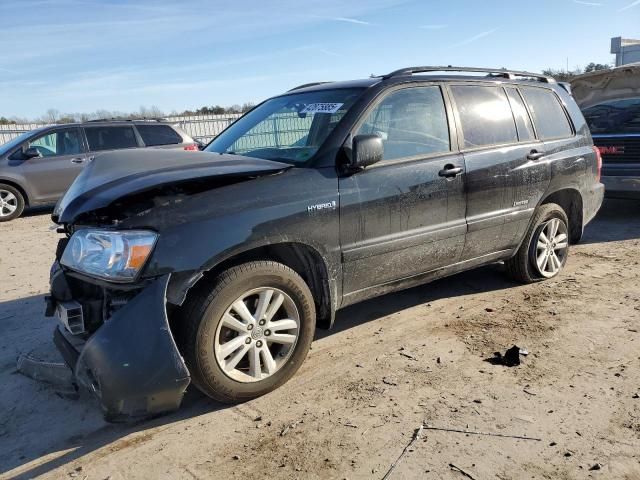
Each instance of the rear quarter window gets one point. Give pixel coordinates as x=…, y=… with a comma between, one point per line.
x=155, y=135
x=549, y=117
x=485, y=115
x=110, y=138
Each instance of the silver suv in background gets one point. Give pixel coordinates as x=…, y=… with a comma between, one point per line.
x=37, y=167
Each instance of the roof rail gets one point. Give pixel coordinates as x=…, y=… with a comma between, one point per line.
x=497, y=72
x=305, y=85
x=142, y=119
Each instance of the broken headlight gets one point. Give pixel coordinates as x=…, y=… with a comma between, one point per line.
x=117, y=256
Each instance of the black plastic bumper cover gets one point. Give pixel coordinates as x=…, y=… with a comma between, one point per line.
x=131, y=362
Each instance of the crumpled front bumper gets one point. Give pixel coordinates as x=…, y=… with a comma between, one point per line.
x=131, y=362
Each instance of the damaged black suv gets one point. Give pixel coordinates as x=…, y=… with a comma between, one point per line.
x=216, y=267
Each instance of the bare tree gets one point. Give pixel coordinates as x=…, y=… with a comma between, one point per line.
x=52, y=115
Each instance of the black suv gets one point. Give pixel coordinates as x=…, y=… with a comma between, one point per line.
x=37, y=167
x=216, y=267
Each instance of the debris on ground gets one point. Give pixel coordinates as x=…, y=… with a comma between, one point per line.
x=291, y=426
x=596, y=466
x=489, y=434
x=459, y=470
x=414, y=439
x=511, y=357
x=54, y=373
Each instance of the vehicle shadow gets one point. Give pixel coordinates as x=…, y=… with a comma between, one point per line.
x=617, y=220
x=486, y=279
x=35, y=211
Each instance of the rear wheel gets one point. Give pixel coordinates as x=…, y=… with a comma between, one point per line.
x=249, y=332
x=11, y=203
x=545, y=249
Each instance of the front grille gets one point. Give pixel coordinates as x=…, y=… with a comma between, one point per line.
x=628, y=149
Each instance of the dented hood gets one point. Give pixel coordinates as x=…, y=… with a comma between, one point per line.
x=616, y=84
x=113, y=175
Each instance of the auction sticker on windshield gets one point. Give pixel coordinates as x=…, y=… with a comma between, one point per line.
x=322, y=108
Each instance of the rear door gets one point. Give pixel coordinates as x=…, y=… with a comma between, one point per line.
x=62, y=157
x=402, y=216
x=506, y=172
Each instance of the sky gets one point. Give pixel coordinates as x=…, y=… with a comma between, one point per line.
x=118, y=55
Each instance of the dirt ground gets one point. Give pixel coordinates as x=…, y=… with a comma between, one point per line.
x=390, y=365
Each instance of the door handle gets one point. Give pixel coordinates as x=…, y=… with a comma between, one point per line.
x=535, y=155
x=77, y=160
x=450, y=171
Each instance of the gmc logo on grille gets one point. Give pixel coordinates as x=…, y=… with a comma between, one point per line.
x=611, y=150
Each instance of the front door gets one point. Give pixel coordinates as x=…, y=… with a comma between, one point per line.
x=62, y=157
x=406, y=214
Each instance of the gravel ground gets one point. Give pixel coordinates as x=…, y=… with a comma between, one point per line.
x=392, y=364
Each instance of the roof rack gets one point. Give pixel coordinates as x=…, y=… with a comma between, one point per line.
x=493, y=72
x=142, y=119
x=305, y=85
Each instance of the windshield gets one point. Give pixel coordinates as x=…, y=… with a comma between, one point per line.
x=289, y=129
x=614, y=117
x=11, y=144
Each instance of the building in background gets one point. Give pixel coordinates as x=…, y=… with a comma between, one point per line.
x=627, y=50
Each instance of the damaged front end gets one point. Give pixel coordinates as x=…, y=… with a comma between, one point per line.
x=119, y=344
x=107, y=290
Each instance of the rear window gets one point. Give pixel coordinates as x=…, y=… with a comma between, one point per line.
x=548, y=115
x=110, y=138
x=154, y=135
x=485, y=115
x=614, y=117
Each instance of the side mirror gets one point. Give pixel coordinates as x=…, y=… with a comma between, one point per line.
x=366, y=150
x=31, y=152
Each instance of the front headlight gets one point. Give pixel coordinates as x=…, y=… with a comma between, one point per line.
x=117, y=256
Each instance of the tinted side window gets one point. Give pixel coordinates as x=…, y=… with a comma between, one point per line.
x=485, y=115
x=523, y=122
x=60, y=142
x=548, y=114
x=153, y=135
x=110, y=138
x=411, y=122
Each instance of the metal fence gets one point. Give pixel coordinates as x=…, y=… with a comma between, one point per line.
x=9, y=132
x=204, y=127
x=201, y=127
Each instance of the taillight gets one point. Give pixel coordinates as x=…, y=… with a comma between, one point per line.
x=192, y=148
x=598, y=162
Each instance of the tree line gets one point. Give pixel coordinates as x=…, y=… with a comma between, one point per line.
x=567, y=76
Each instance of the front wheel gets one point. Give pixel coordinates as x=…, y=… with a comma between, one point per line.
x=545, y=248
x=248, y=332
x=11, y=203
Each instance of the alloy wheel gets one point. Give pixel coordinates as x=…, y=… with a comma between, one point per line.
x=257, y=334
x=8, y=203
x=551, y=247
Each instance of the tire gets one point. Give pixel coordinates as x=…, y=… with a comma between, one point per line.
x=11, y=203
x=524, y=266
x=210, y=316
